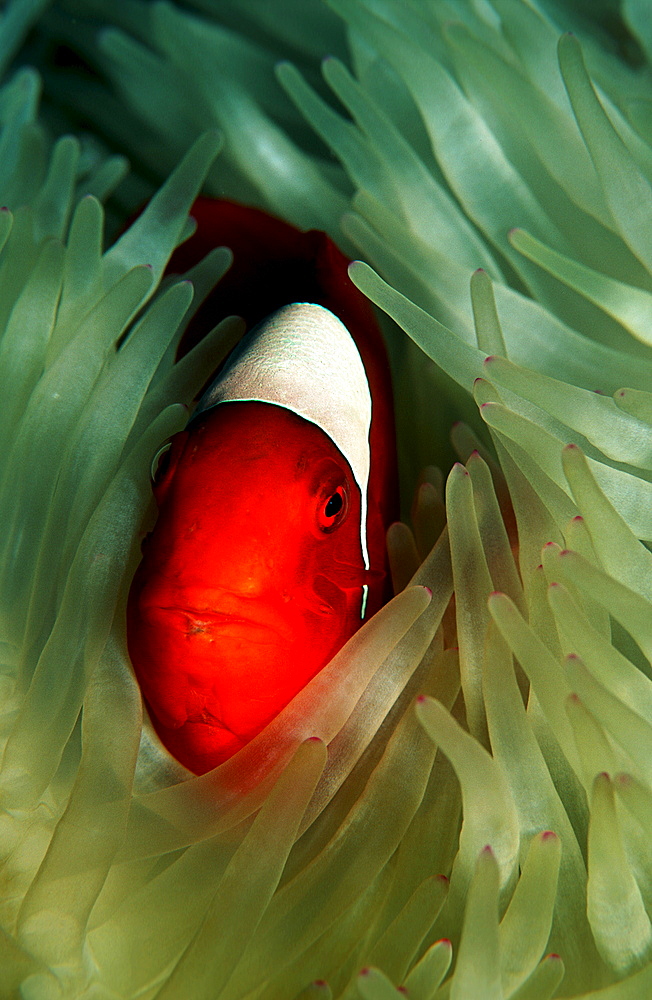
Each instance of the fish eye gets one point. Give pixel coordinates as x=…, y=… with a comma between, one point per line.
x=160, y=463
x=332, y=510
x=334, y=505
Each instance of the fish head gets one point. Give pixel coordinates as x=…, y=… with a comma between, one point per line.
x=251, y=579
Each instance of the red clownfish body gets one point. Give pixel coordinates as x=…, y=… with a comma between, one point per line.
x=269, y=548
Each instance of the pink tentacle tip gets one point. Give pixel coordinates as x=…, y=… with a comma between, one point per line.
x=565, y=552
x=487, y=851
x=402, y=989
x=578, y=517
x=540, y=566
x=445, y=941
x=624, y=780
x=621, y=392
x=479, y=270
x=314, y=739
x=428, y=591
x=421, y=699
x=575, y=698
x=549, y=545
x=443, y=878
x=4, y=209
x=571, y=447
x=554, y=956
x=605, y=776
x=320, y=983
x=571, y=656
x=496, y=593
x=513, y=231
x=365, y=971
x=554, y=585
x=549, y=835
x=490, y=358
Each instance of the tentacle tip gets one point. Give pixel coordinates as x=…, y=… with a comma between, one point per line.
x=564, y=552
x=443, y=878
x=428, y=591
x=487, y=851
x=549, y=835
x=554, y=957
x=445, y=942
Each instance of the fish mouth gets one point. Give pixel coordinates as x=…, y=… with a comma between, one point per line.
x=223, y=625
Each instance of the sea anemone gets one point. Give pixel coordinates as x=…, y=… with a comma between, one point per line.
x=460, y=804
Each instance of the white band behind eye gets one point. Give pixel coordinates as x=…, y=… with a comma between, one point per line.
x=304, y=359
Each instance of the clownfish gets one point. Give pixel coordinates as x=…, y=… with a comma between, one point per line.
x=269, y=551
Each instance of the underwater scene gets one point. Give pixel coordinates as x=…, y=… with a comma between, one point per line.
x=423, y=766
